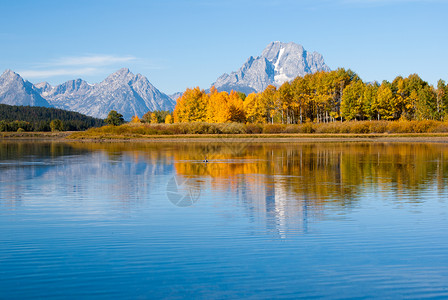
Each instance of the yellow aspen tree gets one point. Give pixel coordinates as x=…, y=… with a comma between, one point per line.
x=154, y=119
x=211, y=106
x=217, y=109
x=254, y=110
x=235, y=108
x=135, y=120
x=351, y=103
x=369, y=101
x=386, y=102
x=168, y=119
x=192, y=106
x=267, y=100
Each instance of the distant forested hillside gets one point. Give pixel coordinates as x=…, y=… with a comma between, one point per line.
x=43, y=119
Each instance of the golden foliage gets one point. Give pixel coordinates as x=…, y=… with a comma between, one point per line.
x=322, y=97
x=168, y=119
x=191, y=107
x=154, y=119
x=135, y=119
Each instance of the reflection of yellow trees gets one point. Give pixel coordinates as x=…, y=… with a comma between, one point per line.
x=406, y=167
x=287, y=182
x=321, y=172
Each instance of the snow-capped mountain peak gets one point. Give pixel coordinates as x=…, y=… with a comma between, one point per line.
x=279, y=62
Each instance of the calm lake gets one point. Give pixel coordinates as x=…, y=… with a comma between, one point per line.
x=258, y=220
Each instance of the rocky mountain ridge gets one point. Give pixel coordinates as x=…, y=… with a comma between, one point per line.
x=122, y=91
x=14, y=90
x=279, y=62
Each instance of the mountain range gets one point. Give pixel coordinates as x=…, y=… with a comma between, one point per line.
x=122, y=91
x=132, y=95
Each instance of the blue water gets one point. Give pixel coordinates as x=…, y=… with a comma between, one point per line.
x=260, y=221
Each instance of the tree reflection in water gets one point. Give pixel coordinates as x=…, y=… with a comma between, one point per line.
x=291, y=184
x=286, y=184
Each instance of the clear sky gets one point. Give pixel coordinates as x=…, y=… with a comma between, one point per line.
x=180, y=44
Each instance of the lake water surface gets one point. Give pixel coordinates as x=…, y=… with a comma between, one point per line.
x=258, y=220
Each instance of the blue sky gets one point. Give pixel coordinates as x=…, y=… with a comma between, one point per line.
x=180, y=44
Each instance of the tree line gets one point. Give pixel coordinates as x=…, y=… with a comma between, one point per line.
x=322, y=97
x=27, y=118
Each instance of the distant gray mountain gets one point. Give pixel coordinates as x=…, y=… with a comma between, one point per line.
x=176, y=96
x=69, y=95
x=278, y=63
x=129, y=94
x=122, y=91
x=16, y=91
x=43, y=87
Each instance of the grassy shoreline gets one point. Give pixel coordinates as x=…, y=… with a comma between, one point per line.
x=261, y=137
x=358, y=131
x=37, y=135
x=336, y=131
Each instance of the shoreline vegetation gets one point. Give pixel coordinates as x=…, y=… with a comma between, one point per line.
x=198, y=129
x=409, y=131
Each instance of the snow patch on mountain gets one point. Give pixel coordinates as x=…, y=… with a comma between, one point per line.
x=278, y=63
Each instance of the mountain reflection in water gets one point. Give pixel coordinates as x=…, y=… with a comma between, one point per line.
x=285, y=185
x=286, y=220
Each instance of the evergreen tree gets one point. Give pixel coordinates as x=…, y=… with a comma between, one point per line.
x=114, y=118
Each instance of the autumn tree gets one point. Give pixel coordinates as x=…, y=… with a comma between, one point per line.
x=284, y=102
x=135, y=120
x=385, y=102
x=442, y=99
x=339, y=79
x=191, y=107
x=236, y=108
x=222, y=107
x=217, y=107
x=267, y=100
x=322, y=96
x=154, y=119
x=254, y=109
x=301, y=91
x=369, y=101
x=352, y=106
x=427, y=104
x=168, y=119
